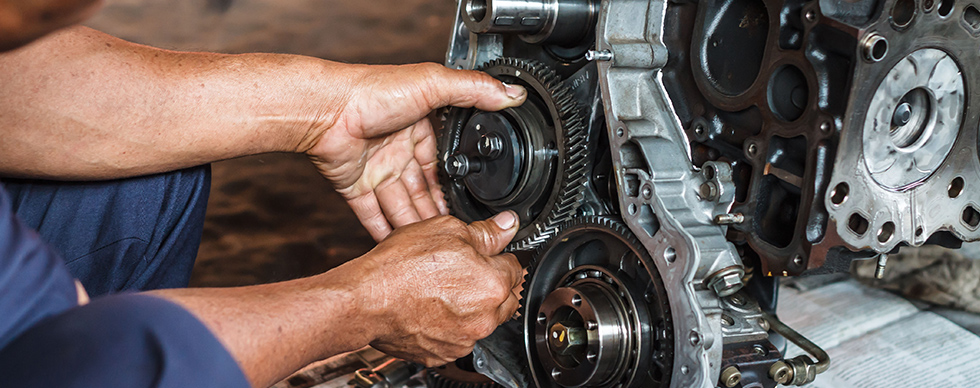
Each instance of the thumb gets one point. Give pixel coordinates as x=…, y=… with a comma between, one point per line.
x=468, y=88
x=490, y=237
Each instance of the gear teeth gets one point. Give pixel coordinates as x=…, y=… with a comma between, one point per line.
x=612, y=224
x=569, y=194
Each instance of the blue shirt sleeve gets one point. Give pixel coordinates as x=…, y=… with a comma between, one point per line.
x=128, y=341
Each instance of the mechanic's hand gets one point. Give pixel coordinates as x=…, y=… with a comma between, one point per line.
x=438, y=286
x=380, y=153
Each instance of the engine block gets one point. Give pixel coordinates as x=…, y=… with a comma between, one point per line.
x=675, y=158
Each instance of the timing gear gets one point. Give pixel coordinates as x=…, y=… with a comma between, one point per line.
x=529, y=159
x=595, y=310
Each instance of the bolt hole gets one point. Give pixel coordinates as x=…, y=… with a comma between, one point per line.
x=476, y=10
x=759, y=350
x=577, y=300
x=886, y=232
x=902, y=13
x=632, y=209
x=839, y=195
x=542, y=319
x=971, y=217
x=620, y=132
x=945, y=7
x=972, y=17
x=955, y=187
x=918, y=231
x=709, y=172
x=858, y=224
x=879, y=48
x=670, y=254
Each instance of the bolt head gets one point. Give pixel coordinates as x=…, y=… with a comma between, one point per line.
x=731, y=376
x=780, y=372
x=727, y=284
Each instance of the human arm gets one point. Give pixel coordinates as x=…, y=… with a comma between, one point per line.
x=81, y=105
x=426, y=293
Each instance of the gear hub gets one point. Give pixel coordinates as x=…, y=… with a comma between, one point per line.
x=529, y=159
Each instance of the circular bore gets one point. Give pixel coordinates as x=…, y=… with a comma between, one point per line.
x=913, y=119
x=605, y=322
x=875, y=47
x=476, y=10
x=902, y=13
x=945, y=7
x=788, y=94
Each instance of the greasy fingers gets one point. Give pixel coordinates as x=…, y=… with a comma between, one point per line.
x=490, y=237
x=443, y=286
x=468, y=88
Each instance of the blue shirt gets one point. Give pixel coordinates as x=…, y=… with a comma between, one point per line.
x=127, y=340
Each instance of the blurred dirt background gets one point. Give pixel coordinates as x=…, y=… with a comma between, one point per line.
x=272, y=217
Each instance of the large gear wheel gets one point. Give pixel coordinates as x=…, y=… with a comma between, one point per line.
x=530, y=159
x=595, y=310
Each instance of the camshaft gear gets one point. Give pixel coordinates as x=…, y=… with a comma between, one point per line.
x=530, y=159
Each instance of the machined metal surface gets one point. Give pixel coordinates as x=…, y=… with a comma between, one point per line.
x=738, y=141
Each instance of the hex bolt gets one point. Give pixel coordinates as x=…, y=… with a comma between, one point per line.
x=731, y=376
x=461, y=165
x=902, y=115
x=727, y=282
x=490, y=145
x=781, y=373
x=709, y=191
x=729, y=219
x=597, y=55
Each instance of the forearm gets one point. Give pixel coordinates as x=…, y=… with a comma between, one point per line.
x=82, y=105
x=275, y=329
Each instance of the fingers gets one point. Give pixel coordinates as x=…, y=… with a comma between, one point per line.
x=490, y=237
x=467, y=88
x=368, y=211
x=426, y=154
x=506, y=310
x=418, y=189
x=396, y=203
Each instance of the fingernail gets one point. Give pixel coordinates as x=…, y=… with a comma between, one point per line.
x=514, y=91
x=505, y=220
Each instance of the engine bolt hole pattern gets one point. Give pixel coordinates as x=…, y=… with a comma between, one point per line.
x=839, y=194
x=902, y=14
x=875, y=47
x=886, y=232
x=955, y=187
x=858, y=224
x=971, y=217
x=945, y=8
